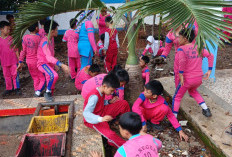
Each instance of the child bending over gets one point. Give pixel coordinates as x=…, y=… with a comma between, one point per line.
x=153, y=46
x=137, y=145
x=152, y=107
x=145, y=71
x=189, y=63
x=85, y=74
x=98, y=112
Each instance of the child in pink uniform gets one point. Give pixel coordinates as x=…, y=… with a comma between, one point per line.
x=85, y=74
x=71, y=36
x=97, y=111
x=42, y=32
x=152, y=106
x=227, y=10
x=101, y=21
x=8, y=59
x=100, y=46
x=46, y=60
x=190, y=72
x=30, y=46
x=145, y=71
x=97, y=81
x=138, y=144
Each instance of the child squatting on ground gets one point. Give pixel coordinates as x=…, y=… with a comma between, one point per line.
x=138, y=144
x=30, y=46
x=96, y=81
x=189, y=63
x=153, y=108
x=85, y=74
x=98, y=112
x=71, y=36
x=111, y=45
x=47, y=63
x=9, y=59
x=144, y=60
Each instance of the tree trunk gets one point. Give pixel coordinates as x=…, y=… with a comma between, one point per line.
x=135, y=85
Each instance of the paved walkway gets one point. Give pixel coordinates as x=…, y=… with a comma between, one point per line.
x=220, y=90
x=83, y=139
x=212, y=127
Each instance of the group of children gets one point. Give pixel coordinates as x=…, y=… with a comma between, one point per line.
x=104, y=93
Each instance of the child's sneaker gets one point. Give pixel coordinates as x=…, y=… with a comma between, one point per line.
x=206, y=112
x=48, y=97
x=156, y=127
x=18, y=91
x=6, y=92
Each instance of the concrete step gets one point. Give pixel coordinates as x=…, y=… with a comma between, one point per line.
x=209, y=129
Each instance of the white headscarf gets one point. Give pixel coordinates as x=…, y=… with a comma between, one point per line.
x=154, y=45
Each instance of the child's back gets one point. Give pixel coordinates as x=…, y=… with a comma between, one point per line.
x=72, y=36
x=190, y=61
x=140, y=144
x=30, y=47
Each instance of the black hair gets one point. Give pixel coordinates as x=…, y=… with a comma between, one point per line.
x=47, y=25
x=102, y=37
x=145, y=59
x=189, y=36
x=111, y=80
x=116, y=68
x=73, y=22
x=33, y=27
x=155, y=86
x=131, y=122
x=43, y=21
x=3, y=24
x=94, y=68
x=109, y=19
x=122, y=75
x=9, y=16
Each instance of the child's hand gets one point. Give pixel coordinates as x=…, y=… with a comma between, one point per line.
x=207, y=75
x=95, y=154
x=19, y=68
x=144, y=130
x=183, y=135
x=115, y=99
x=65, y=68
x=106, y=118
x=181, y=79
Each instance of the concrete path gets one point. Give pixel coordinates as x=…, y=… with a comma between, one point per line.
x=83, y=139
x=220, y=90
x=210, y=129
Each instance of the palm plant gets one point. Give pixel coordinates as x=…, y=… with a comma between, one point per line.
x=178, y=12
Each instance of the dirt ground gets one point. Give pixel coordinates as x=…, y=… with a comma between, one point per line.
x=65, y=86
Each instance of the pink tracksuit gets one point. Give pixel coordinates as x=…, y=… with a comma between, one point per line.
x=71, y=37
x=42, y=33
x=100, y=47
x=227, y=10
x=189, y=63
x=30, y=46
x=146, y=74
x=82, y=77
x=47, y=61
x=171, y=38
x=102, y=24
x=9, y=62
x=155, y=112
x=140, y=145
x=95, y=82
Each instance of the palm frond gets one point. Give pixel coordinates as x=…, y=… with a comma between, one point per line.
x=30, y=13
x=206, y=13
